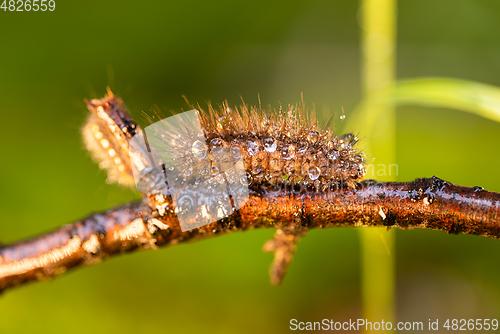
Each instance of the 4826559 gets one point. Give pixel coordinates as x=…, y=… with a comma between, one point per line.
x=28, y=5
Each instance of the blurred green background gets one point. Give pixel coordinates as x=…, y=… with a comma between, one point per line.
x=153, y=52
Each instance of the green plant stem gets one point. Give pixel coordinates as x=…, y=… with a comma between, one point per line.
x=378, y=72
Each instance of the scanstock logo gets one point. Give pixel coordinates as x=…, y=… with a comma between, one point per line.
x=172, y=157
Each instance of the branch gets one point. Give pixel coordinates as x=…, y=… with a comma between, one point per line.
x=429, y=203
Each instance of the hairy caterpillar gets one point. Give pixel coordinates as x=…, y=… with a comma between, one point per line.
x=284, y=147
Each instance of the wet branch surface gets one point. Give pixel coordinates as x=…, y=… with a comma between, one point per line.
x=428, y=203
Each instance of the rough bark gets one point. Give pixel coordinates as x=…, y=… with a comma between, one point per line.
x=429, y=203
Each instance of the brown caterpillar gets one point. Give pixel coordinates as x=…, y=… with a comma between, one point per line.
x=284, y=147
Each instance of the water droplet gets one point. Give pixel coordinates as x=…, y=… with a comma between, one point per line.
x=236, y=151
x=290, y=167
x=350, y=139
x=478, y=189
x=243, y=181
x=347, y=136
x=358, y=159
x=288, y=152
x=342, y=117
x=333, y=155
x=258, y=171
x=313, y=137
x=185, y=204
x=199, y=150
x=252, y=147
x=204, y=172
x=171, y=168
x=302, y=147
x=214, y=170
x=269, y=144
x=187, y=171
x=313, y=172
x=217, y=145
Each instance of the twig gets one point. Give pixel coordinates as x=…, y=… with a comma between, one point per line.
x=429, y=203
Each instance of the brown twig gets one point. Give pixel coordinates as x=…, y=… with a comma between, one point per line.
x=429, y=203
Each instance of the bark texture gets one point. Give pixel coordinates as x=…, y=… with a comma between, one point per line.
x=429, y=203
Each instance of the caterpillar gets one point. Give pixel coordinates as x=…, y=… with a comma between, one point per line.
x=285, y=146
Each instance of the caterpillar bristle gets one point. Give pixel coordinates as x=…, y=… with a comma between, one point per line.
x=285, y=145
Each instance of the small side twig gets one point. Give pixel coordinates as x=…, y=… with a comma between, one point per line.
x=429, y=203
